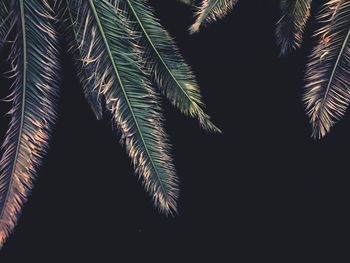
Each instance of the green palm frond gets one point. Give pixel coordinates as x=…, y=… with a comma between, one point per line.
x=328, y=76
x=34, y=62
x=128, y=95
x=162, y=60
x=290, y=28
x=210, y=11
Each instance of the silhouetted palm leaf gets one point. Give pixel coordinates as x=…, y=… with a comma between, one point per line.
x=290, y=28
x=328, y=75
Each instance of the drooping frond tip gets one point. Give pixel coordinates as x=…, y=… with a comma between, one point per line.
x=107, y=32
x=210, y=11
x=328, y=76
x=162, y=60
x=290, y=28
x=34, y=61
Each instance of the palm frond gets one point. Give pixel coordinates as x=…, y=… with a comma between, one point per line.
x=34, y=61
x=210, y=11
x=129, y=97
x=163, y=61
x=85, y=69
x=4, y=22
x=328, y=76
x=290, y=28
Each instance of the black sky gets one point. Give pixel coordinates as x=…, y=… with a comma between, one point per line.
x=262, y=190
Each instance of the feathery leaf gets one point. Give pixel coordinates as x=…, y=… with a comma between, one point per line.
x=35, y=89
x=328, y=75
x=129, y=97
x=4, y=22
x=85, y=69
x=162, y=60
x=210, y=11
x=290, y=28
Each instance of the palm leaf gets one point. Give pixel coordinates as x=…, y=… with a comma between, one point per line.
x=162, y=60
x=290, y=28
x=4, y=22
x=210, y=11
x=129, y=97
x=85, y=69
x=328, y=75
x=35, y=88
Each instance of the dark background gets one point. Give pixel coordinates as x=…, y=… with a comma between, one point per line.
x=262, y=190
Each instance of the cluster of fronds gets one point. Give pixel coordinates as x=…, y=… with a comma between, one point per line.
x=327, y=95
x=124, y=59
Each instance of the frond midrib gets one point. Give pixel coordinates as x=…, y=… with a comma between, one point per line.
x=207, y=12
x=92, y=5
x=157, y=53
x=342, y=50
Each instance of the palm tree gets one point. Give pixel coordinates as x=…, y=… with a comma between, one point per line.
x=327, y=95
x=124, y=58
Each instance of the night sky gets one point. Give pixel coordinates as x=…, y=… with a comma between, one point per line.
x=262, y=190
